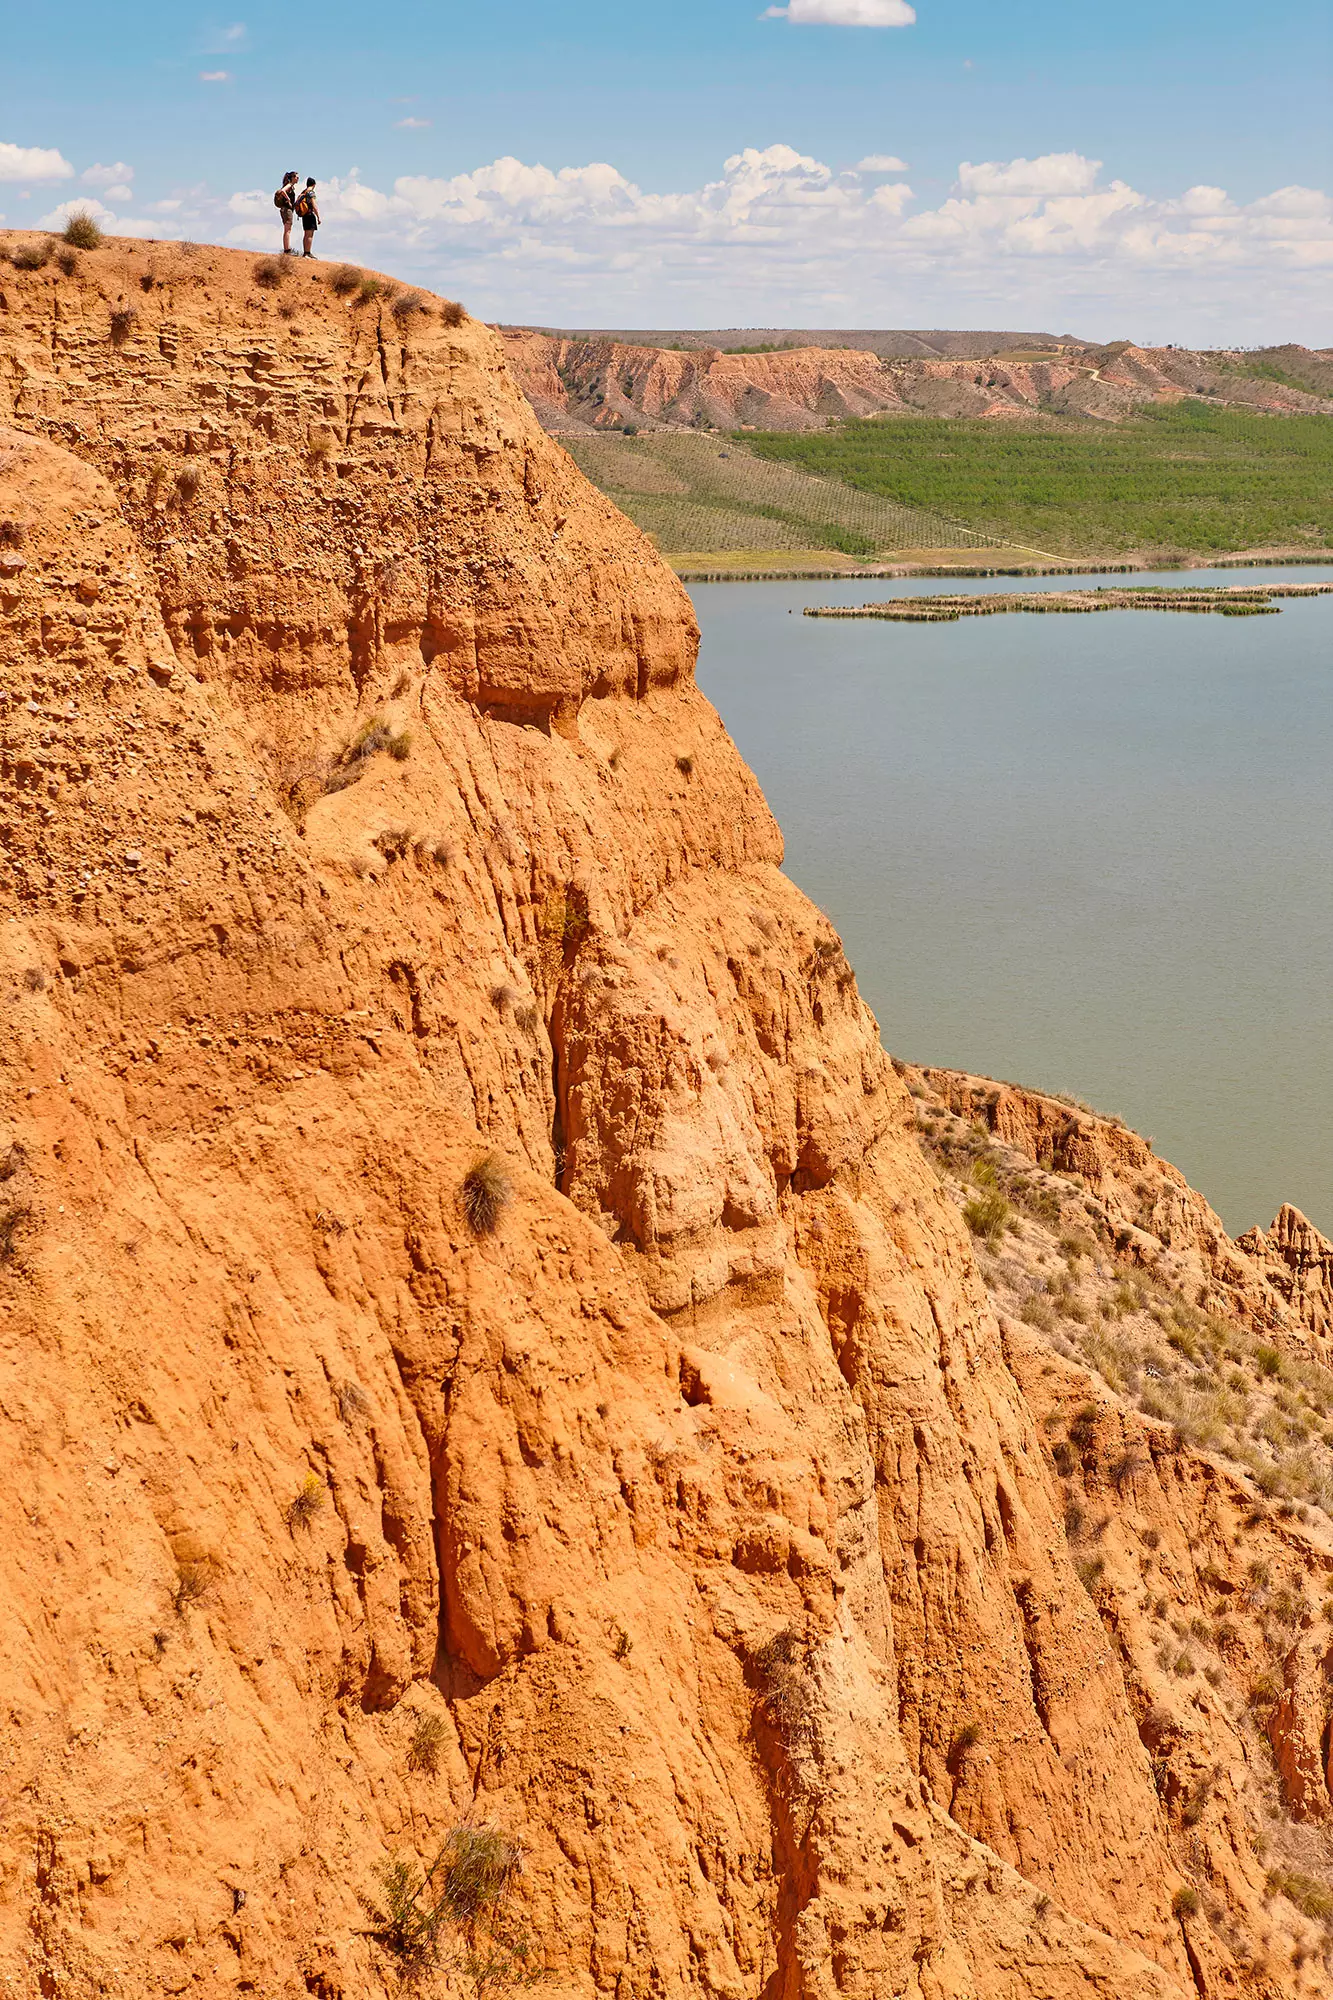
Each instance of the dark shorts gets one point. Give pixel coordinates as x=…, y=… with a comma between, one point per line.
x=309, y=224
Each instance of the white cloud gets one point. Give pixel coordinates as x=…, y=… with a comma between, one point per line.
x=845, y=13
x=779, y=238
x=1053, y=173
x=880, y=163
x=214, y=76
x=98, y=176
x=411, y=124
x=32, y=163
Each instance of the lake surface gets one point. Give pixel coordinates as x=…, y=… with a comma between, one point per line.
x=1090, y=854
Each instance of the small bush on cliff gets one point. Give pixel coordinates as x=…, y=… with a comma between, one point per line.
x=1185, y=1902
x=486, y=1193
x=466, y=1888
x=81, y=231
x=406, y=306
x=987, y=1214
x=194, y=1580
x=122, y=324
x=67, y=262
x=270, y=272
x=784, y=1679
x=344, y=279
x=429, y=1735
x=452, y=313
x=30, y=256
x=309, y=1499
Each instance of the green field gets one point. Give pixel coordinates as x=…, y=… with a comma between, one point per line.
x=1183, y=478
x=710, y=495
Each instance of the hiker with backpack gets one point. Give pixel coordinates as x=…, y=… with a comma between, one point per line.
x=285, y=203
x=308, y=210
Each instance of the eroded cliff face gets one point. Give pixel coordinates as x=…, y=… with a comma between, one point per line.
x=361, y=817
x=598, y=384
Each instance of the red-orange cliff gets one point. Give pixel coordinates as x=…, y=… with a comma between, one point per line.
x=694, y=1526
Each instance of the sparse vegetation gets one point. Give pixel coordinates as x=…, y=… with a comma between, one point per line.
x=188, y=483
x=1185, y=1902
x=31, y=256
x=452, y=313
x=306, y=1504
x=194, y=1581
x=702, y=494
x=987, y=1214
x=486, y=1193
x=67, y=262
x=344, y=279
x=81, y=231
x=784, y=1680
x=406, y=306
x=269, y=273
x=122, y=324
x=430, y=1733
x=465, y=1890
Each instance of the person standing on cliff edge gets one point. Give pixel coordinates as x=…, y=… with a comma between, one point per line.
x=308, y=210
x=285, y=203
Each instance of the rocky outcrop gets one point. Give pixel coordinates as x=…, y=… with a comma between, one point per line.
x=576, y=384
x=1280, y=1280
x=482, y=1343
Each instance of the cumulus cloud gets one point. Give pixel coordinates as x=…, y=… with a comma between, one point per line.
x=98, y=176
x=1053, y=173
x=779, y=237
x=845, y=13
x=880, y=163
x=33, y=163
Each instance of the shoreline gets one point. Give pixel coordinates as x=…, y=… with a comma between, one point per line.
x=894, y=570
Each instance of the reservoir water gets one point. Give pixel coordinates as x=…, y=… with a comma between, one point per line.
x=1091, y=854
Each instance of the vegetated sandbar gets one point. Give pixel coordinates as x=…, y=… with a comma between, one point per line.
x=1232, y=600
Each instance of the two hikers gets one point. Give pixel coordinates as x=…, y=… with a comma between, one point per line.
x=292, y=205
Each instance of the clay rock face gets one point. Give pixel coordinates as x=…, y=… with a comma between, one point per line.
x=362, y=819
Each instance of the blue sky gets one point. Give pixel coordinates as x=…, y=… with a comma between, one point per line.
x=1223, y=97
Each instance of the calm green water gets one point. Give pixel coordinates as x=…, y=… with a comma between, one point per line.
x=1089, y=854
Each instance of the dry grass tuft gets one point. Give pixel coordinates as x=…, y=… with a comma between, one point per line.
x=270, y=272
x=81, y=231
x=430, y=1733
x=486, y=1193
x=452, y=313
x=307, y=1503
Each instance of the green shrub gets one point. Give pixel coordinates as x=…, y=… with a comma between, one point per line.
x=81, y=231
x=466, y=1887
x=1185, y=1903
x=1268, y=1361
x=987, y=1214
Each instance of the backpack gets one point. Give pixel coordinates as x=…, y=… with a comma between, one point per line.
x=305, y=201
x=282, y=199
